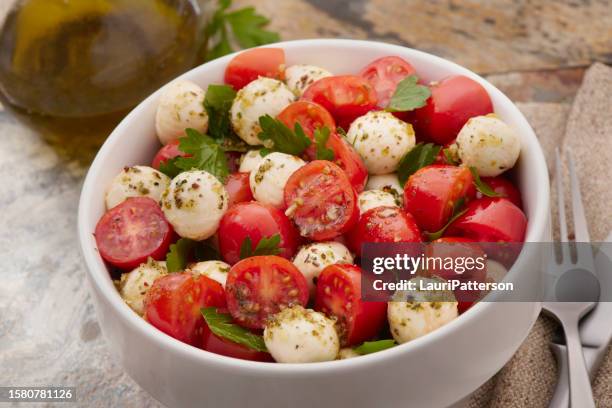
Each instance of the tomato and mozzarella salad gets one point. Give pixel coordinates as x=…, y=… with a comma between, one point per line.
x=243, y=236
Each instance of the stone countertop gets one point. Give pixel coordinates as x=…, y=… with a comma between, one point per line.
x=535, y=51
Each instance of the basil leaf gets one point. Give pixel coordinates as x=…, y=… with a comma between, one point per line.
x=179, y=254
x=321, y=136
x=450, y=157
x=222, y=326
x=282, y=139
x=369, y=347
x=265, y=246
x=420, y=156
x=205, y=154
x=483, y=187
x=408, y=95
x=457, y=212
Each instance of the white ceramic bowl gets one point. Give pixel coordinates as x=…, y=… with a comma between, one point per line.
x=433, y=371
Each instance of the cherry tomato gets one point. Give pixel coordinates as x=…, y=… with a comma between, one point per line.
x=346, y=97
x=504, y=187
x=431, y=193
x=251, y=64
x=173, y=304
x=167, y=152
x=133, y=231
x=224, y=347
x=260, y=286
x=453, y=101
x=339, y=295
x=475, y=271
x=383, y=224
x=321, y=200
x=349, y=160
x=384, y=74
x=238, y=188
x=491, y=220
x=255, y=221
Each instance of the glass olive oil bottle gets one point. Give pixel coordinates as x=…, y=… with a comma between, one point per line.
x=73, y=68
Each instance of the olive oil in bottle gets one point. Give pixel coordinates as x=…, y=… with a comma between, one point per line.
x=73, y=68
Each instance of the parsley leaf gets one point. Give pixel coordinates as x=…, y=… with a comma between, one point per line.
x=169, y=168
x=205, y=153
x=483, y=187
x=457, y=212
x=408, y=95
x=369, y=347
x=321, y=136
x=243, y=25
x=218, y=102
x=420, y=156
x=222, y=326
x=265, y=246
x=179, y=255
x=282, y=139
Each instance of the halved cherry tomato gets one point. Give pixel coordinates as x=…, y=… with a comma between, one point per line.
x=349, y=160
x=475, y=266
x=346, y=97
x=255, y=221
x=173, y=304
x=431, y=193
x=238, y=188
x=491, y=220
x=310, y=116
x=169, y=151
x=321, y=200
x=133, y=231
x=453, y=101
x=504, y=187
x=251, y=64
x=384, y=74
x=260, y=286
x=383, y=224
x=224, y=347
x=339, y=295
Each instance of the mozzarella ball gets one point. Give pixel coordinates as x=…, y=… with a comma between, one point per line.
x=136, y=181
x=347, y=352
x=263, y=96
x=134, y=285
x=300, y=77
x=313, y=258
x=215, y=270
x=298, y=335
x=489, y=145
x=381, y=140
x=194, y=203
x=250, y=160
x=181, y=106
x=411, y=317
x=375, y=198
x=269, y=178
x=387, y=183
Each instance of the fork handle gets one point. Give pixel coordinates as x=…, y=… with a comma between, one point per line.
x=581, y=393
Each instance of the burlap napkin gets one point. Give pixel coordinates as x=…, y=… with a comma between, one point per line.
x=528, y=380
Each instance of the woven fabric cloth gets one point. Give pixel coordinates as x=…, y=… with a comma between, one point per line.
x=585, y=127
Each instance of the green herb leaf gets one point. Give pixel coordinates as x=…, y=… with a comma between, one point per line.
x=222, y=326
x=265, y=246
x=179, y=255
x=450, y=157
x=420, y=156
x=169, y=168
x=283, y=139
x=369, y=347
x=483, y=187
x=205, y=251
x=205, y=153
x=409, y=95
x=321, y=136
x=341, y=131
x=218, y=101
x=246, y=26
x=458, y=211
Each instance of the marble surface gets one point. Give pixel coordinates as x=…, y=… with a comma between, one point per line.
x=534, y=50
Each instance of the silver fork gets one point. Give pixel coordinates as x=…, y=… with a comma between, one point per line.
x=576, y=290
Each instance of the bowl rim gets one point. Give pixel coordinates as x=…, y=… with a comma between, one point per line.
x=98, y=275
